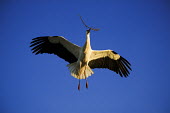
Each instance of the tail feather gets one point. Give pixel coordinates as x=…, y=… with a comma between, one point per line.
x=79, y=73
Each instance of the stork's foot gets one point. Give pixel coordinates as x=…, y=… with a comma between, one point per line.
x=87, y=84
x=79, y=85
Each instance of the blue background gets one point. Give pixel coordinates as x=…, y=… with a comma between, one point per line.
x=137, y=30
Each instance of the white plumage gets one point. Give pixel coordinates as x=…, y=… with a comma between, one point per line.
x=81, y=59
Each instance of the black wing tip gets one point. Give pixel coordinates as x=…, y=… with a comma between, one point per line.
x=41, y=38
x=125, y=60
x=36, y=44
x=124, y=67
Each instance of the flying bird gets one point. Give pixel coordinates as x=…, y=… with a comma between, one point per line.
x=81, y=59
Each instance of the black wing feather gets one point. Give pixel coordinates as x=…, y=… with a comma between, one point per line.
x=42, y=45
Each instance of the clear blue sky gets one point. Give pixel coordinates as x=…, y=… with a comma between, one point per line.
x=139, y=31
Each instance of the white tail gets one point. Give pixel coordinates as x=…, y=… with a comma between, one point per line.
x=79, y=73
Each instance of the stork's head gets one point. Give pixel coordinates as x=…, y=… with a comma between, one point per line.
x=88, y=31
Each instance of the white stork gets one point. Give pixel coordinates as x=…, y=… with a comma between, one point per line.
x=81, y=59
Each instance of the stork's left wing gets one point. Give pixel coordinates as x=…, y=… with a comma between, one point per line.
x=111, y=60
x=56, y=45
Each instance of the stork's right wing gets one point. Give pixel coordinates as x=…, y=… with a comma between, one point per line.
x=110, y=60
x=56, y=45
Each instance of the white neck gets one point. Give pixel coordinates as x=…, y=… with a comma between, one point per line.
x=87, y=45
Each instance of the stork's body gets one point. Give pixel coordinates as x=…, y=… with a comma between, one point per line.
x=81, y=59
x=80, y=69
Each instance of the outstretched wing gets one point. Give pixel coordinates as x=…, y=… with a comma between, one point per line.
x=56, y=45
x=111, y=60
